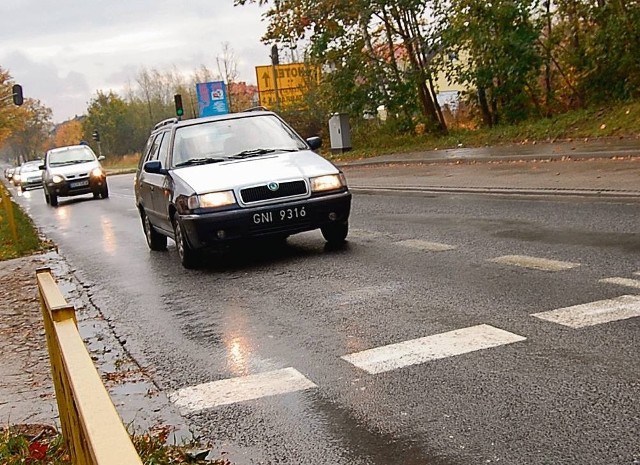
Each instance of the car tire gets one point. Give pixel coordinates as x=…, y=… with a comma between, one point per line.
x=335, y=233
x=46, y=197
x=186, y=254
x=53, y=200
x=155, y=240
x=104, y=192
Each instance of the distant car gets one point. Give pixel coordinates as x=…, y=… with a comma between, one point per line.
x=73, y=170
x=209, y=181
x=15, y=179
x=8, y=173
x=30, y=175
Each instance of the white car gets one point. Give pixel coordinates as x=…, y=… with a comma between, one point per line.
x=73, y=170
x=209, y=181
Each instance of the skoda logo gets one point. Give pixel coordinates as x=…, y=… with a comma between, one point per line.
x=273, y=186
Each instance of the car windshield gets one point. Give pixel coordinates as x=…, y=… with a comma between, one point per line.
x=71, y=156
x=221, y=140
x=30, y=167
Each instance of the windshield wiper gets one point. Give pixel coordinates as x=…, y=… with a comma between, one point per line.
x=64, y=163
x=258, y=152
x=199, y=161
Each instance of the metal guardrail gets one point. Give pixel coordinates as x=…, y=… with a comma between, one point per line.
x=92, y=429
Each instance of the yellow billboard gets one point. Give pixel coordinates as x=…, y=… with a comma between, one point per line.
x=285, y=84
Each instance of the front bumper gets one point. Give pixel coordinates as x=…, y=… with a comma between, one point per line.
x=79, y=186
x=29, y=183
x=280, y=219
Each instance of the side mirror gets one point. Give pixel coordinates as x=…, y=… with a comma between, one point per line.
x=41, y=167
x=101, y=157
x=155, y=167
x=314, y=142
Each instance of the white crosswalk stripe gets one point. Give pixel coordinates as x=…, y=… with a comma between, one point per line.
x=594, y=313
x=622, y=282
x=449, y=344
x=229, y=391
x=534, y=263
x=425, y=245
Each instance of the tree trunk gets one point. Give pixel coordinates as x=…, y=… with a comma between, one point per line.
x=484, y=107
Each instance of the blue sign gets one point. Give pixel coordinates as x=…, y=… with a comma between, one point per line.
x=212, y=98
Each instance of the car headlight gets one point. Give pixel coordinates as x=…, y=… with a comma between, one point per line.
x=57, y=179
x=97, y=172
x=329, y=182
x=211, y=200
x=16, y=177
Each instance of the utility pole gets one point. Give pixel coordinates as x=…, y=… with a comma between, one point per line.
x=275, y=61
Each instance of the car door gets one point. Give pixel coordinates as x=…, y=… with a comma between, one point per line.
x=162, y=186
x=146, y=182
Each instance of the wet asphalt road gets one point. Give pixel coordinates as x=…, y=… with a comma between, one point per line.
x=562, y=395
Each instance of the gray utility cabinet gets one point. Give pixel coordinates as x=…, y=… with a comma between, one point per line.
x=339, y=133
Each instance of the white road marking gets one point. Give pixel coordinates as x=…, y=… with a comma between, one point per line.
x=425, y=245
x=622, y=282
x=449, y=344
x=230, y=391
x=534, y=263
x=594, y=313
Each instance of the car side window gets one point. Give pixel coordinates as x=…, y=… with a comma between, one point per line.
x=163, y=152
x=154, y=149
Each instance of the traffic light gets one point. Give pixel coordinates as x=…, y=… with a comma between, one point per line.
x=179, y=109
x=95, y=135
x=16, y=90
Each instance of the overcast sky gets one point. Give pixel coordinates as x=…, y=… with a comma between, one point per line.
x=64, y=51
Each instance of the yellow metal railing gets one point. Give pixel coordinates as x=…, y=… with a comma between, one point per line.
x=92, y=429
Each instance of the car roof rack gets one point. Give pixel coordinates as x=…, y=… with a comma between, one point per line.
x=258, y=108
x=164, y=122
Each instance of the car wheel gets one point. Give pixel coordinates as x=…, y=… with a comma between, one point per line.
x=53, y=200
x=104, y=192
x=155, y=240
x=96, y=194
x=335, y=233
x=185, y=252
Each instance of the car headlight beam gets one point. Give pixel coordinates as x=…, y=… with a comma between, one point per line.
x=97, y=172
x=57, y=179
x=329, y=182
x=211, y=200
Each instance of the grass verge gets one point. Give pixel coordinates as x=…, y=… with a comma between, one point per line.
x=620, y=121
x=18, y=236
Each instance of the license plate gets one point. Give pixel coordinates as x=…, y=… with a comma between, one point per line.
x=79, y=183
x=280, y=215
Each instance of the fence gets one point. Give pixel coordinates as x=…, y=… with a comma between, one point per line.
x=92, y=429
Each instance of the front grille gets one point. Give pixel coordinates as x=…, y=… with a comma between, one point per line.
x=74, y=176
x=285, y=189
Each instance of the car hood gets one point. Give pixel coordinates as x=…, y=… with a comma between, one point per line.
x=74, y=170
x=232, y=174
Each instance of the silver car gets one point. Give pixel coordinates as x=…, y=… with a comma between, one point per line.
x=30, y=175
x=211, y=181
x=73, y=170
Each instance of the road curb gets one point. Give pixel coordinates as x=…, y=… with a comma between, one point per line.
x=597, y=193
